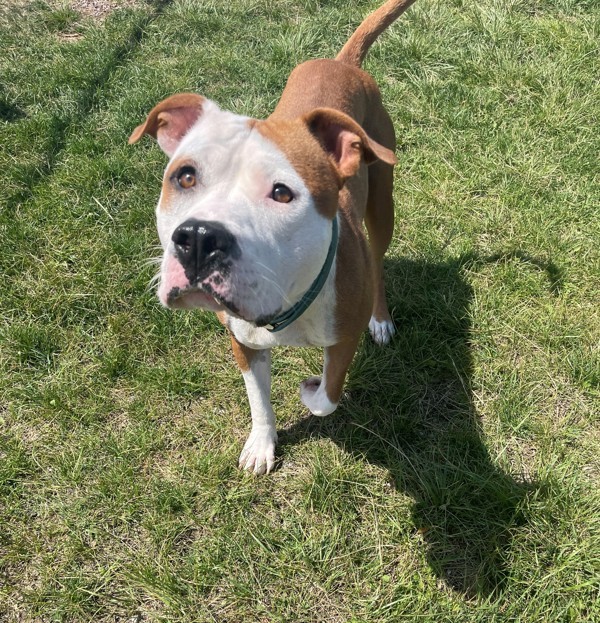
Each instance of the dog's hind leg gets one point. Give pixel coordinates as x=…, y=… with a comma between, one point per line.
x=379, y=219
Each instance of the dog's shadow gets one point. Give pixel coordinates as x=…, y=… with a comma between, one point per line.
x=410, y=408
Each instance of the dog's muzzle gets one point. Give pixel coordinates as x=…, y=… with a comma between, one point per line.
x=204, y=247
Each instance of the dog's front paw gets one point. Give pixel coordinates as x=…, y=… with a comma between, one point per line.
x=314, y=396
x=258, y=455
x=381, y=330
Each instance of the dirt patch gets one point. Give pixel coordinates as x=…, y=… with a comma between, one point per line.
x=97, y=9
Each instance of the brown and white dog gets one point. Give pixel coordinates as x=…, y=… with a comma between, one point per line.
x=249, y=215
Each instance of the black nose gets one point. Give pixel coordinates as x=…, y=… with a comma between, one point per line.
x=202, y=247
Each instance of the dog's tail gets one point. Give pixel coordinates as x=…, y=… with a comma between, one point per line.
x=356, y=48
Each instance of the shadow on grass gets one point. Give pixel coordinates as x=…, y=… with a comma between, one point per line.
x=8, y=111
x=410, y=409
x=56, y=130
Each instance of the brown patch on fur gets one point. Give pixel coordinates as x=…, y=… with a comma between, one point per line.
x=222, y=316
x=379, y=220
x=358, y=45
x=327, y=83
x=345, y=140
x=305, y=154
x=169, y=192
x=353, y=277
x=337, y=361
x=243, y=355
x=169, y=120
x=336, y=85
x=354, y=288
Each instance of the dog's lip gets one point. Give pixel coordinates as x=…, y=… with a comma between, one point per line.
x=203, y=296
x=199, y=296
x=193, y=296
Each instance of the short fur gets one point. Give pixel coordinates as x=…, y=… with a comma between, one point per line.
x=331, y=134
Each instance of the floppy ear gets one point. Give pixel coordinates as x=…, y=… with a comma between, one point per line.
x=345, y=141
x=169, y=121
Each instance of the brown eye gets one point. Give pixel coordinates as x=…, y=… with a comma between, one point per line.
x=281, y=193
x=186, y=178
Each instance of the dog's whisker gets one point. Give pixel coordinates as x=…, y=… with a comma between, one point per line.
x=152, y=261
x=278, y=288
x=153, y=282
x=267, y=268
x=155, y=278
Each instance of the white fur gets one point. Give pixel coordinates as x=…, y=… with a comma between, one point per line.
x=381, y=330
x=315, y=327
x=313, y=393
x=258, y=455
x=314, y=396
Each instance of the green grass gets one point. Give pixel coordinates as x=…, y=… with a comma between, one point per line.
x=458, y=481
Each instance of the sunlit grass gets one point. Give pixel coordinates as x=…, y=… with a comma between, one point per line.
x=459, y=479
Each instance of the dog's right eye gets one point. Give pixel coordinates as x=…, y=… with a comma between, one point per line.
x=186, y=177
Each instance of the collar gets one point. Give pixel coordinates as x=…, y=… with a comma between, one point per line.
x=281, y=321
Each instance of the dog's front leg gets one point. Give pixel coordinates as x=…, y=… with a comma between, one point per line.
x=322, y=394
x=258, y=455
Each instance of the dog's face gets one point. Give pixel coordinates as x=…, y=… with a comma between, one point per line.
x=246, y=206
x=238, y=225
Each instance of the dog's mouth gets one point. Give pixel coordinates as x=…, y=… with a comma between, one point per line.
x=199, y=296
x=212, y=292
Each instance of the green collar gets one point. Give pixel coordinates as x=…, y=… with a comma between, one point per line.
x=293, y=313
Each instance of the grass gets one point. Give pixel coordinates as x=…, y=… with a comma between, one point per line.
x=459, y=479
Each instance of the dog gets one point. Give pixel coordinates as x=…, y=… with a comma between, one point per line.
x=261, y=221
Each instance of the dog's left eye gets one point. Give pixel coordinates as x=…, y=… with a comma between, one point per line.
x=186, y=177
x=281, y=193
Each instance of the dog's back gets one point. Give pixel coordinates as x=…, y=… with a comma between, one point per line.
x=341, y=84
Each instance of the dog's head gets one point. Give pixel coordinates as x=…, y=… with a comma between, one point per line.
x=246, y=206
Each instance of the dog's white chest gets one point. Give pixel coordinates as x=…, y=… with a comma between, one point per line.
x=316, y=327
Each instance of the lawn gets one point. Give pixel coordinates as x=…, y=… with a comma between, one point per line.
x=460, y=478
